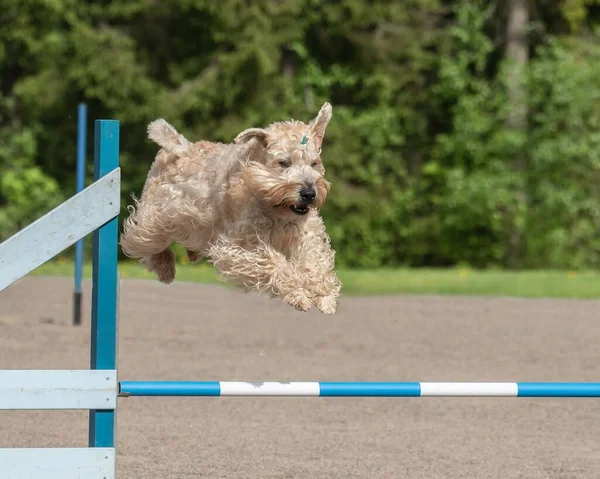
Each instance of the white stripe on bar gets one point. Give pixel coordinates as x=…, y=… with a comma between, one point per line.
x=469, y=389
x=74, y=463
x=269, y=389
x=56, y=389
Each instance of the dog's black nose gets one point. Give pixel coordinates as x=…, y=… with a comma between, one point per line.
x=308, y=194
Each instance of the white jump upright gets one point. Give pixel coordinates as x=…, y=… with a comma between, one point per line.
x=95, y=209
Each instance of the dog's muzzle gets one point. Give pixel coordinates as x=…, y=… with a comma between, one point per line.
x=307, y=198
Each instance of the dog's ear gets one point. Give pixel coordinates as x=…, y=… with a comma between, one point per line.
x=319, y=124
x=256, y=149
x=247, y=135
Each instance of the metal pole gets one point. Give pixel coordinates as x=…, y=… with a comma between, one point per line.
x=81, y=144
x=358, y=389
x=103, y=351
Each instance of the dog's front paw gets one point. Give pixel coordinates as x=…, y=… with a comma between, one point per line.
x=298, y=300
x=327, y=304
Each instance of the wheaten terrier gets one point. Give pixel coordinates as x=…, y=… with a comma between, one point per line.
x=250, y=207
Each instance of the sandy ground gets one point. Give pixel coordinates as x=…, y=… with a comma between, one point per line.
x=198, y=332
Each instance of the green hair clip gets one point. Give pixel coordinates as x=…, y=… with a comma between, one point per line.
x=304, y=140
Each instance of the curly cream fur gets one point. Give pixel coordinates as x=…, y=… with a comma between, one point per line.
x=237, y=205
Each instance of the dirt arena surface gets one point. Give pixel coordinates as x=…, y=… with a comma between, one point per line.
x=202, y=332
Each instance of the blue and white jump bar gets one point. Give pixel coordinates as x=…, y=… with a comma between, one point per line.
x=358, y=389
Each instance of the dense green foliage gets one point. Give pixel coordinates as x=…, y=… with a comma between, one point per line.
x=426, y=171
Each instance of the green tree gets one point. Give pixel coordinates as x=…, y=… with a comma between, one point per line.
x=439, y=153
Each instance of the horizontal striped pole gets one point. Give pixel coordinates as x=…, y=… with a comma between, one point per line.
x=358, y=389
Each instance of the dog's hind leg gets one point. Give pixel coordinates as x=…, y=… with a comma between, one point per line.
x=146, y=237
x=194, y=256
x=162, y=264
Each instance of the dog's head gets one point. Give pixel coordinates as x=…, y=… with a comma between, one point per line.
x=283, y=166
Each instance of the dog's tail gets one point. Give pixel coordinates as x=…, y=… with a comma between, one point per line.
x=167, y=137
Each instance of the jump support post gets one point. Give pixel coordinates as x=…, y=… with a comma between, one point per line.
x=95, y=210
x=81, y=145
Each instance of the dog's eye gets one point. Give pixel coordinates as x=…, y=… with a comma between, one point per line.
x=285, y=163
x=314, y=163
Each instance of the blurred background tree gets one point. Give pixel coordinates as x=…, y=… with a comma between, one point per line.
x=464, y=132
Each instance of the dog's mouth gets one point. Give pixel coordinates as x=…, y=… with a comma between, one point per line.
x=299, y=210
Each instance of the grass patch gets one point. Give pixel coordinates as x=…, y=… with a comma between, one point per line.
x=459, y=281
x=526, y=284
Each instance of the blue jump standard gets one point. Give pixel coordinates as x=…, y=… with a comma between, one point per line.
x=358, y=389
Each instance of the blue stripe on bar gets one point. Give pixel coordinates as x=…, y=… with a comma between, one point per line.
x=170, y=388
x=369, y=389
x=559, y=389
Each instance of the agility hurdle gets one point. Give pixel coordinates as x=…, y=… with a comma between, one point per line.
x=96, y=209
x=93, y=210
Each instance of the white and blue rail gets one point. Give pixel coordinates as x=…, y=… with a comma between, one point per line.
x=358, y=389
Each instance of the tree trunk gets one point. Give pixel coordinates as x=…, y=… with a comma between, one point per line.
x=517, y=54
